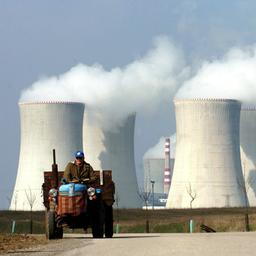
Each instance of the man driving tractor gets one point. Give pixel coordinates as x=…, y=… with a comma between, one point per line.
x=82, y=203
x=79, y=171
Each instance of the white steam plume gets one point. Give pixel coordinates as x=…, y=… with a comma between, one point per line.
x=157, y=151
x=233, y=77
x=113, y=95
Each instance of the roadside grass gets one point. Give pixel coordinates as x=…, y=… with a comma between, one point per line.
x=134, y=220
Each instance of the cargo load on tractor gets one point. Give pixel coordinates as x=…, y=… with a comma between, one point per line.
x=77, y=205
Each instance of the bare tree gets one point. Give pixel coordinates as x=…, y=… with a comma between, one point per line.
x=192, y=193
x=144, y=195
x=31, y=198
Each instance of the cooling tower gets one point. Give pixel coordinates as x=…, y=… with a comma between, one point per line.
x=248, y=151
x=44, y=126
x=114, y=150
x=207, y=170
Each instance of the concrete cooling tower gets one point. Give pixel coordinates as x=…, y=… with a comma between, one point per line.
x=248, y=151
x=44, y=126
x=207, y=170
x=114, y=150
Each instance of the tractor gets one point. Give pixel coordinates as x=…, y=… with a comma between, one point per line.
x=77, y=205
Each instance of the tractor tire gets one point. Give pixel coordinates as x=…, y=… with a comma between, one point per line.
x=98, y=221
x=97, y=231
x=108, y=221
x=50, y=225
x=59, y=233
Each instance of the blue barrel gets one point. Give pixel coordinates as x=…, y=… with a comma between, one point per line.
x=72, y=189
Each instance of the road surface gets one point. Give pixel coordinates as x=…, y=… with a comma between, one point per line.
x=216, y=244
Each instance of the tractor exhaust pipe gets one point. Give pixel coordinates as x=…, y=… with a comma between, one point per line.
x=54, y=171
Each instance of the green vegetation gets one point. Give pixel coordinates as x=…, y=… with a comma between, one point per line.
x=134, y=220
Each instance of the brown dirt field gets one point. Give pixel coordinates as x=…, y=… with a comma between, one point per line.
x=10, y=243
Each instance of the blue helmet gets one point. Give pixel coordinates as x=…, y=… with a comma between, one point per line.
x=79, y=154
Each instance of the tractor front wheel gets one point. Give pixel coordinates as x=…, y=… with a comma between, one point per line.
x=59, y=233
x=50, y=225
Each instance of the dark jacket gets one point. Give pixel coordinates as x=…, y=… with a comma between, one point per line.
x=79, y=173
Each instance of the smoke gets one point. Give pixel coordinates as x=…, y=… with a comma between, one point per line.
x=232, y=77
x=113, y=95
x=157, y=151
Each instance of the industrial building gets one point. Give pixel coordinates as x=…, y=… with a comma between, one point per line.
x=248, y=151
x=114, y=149
x=158, y=165
x=44, y=126
x=154, y=171
x=207, y=170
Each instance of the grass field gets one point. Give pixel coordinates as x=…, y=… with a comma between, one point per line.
x=134, y=220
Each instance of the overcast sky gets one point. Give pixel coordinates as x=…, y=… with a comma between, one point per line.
x=45, y=38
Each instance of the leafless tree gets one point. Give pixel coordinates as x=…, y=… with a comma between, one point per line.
x=31, y=198
x=144, y=195
x=192, y=193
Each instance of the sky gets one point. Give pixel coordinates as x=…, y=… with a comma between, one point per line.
x=47, y=38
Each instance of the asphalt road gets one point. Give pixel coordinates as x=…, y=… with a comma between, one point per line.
x=216, y=244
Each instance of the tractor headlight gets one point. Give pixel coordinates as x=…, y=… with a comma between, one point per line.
x=91, y=191
x=53, y=192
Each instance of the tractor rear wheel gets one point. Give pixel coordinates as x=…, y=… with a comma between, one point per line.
x=98, y=220
x=108, y=221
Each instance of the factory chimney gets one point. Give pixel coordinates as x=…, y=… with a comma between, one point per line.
x=167, y=169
